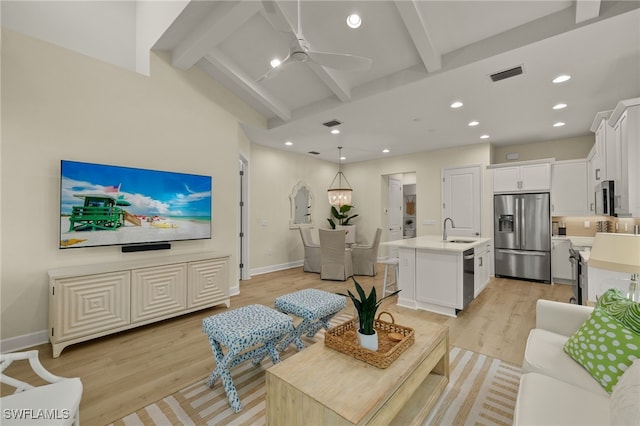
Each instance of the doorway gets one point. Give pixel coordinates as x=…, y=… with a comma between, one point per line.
x=243, y=232
x=401, y=207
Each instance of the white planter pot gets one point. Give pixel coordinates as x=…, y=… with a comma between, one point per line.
x=369, y=341
x=351, y=233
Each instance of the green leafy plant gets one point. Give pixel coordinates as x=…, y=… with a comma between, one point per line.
x=341, y=216
x=366, y=306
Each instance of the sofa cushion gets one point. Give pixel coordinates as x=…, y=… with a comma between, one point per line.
x=621, y=308
x=625, y=398
x=544, y=354
x=543, y=400
x=604, y=347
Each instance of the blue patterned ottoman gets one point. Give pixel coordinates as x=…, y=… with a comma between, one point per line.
x=239, y=330
x=315, y=307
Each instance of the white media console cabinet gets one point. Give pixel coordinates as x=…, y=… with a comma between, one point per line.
x=91, y=301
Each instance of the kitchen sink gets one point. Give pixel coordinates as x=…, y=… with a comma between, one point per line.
x=461, y=241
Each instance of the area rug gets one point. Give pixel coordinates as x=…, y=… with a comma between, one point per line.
x=482, y=391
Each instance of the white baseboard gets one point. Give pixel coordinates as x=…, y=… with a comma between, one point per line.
x=274, y=268
x=17, y=343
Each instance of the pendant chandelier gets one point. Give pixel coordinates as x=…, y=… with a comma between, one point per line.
x=339, y=193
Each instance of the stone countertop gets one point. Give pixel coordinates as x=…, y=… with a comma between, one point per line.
x=435, y=243
x=576, y=241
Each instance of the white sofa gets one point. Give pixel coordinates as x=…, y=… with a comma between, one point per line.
x=554, y=389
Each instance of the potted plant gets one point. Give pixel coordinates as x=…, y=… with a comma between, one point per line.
x=366, y=306
x=342, y=220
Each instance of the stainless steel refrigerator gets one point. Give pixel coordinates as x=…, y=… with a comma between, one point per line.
x=522, y=230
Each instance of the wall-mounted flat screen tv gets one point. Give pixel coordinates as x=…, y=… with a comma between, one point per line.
x=111, y=205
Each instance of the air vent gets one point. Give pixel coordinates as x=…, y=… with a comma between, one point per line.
x=314, y=152
x=506, y=73
x=332, y=123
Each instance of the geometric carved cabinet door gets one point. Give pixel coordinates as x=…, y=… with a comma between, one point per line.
x=90, y=304
x=158, y=291
x=208, y=281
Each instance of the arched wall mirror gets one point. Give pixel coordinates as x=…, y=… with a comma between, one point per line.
x=300, y=206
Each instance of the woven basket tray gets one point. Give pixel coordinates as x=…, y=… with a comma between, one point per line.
x=343, y=338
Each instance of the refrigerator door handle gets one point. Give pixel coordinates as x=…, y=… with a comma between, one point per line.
x=523, y=252
x=524, y=231
x=517, y=221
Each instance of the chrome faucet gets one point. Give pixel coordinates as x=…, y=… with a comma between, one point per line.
x=444, y=228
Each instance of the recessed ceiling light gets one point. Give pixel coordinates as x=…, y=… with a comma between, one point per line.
x=456, y=104
x=288, y=143
x=558, y=124
x=385, y=151
x=484, y=137
x=473, y=123
x=343, y=158
x=275, y=62
x=559, y=106
x=561, y=78
x=335, y=131
x=354, y=21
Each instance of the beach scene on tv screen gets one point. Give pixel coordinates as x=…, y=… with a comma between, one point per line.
x=112, y=205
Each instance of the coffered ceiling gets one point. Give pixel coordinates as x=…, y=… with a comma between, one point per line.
x=424, y=56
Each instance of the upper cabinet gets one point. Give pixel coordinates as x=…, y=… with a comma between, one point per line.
x=625, y=122
x=570, y=189
x=522, y=177
x=606, y=155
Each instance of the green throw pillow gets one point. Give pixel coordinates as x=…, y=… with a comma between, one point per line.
x=621, y=308
x=604, y=347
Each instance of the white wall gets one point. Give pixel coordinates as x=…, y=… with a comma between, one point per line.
x=561, y=149
x=369, y=186
x=79, y=108
x=101, y=29
x=272, y=176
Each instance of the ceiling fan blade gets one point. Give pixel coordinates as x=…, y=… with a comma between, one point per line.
x=274, y=15
x=275, y=71
x=340, y=61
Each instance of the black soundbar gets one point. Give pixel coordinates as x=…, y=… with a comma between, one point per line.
x=146, y=247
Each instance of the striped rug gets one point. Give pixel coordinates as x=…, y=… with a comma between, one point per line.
x=482, y=391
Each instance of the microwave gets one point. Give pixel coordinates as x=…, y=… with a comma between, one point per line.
x=605, y=196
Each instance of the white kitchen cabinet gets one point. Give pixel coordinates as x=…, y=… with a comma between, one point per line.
x=561, y=270
x=482, y=273
x=625, y=121
x=441, y=278
x=90, y=301
x=522, y=178
x=569, y=188
x=606, y=159
x=591, y=181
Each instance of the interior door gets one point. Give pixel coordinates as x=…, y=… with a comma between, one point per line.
x=461, y=200
x=394, y=212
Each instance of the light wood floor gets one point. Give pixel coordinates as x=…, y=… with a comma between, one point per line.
x=126, y=371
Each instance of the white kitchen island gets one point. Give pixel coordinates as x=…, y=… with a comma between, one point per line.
x=432, y=274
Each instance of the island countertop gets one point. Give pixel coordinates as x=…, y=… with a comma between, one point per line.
x=435, y=243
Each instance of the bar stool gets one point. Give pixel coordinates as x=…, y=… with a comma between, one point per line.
x=390, y=261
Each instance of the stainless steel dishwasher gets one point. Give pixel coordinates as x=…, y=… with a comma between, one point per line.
x=468, y=272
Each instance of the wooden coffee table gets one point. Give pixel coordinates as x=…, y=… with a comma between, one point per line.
x=323, y=386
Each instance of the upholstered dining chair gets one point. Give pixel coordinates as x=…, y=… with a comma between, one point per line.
x=365, y=257
x=311, y=251
x=60, y=399
x=334, y=255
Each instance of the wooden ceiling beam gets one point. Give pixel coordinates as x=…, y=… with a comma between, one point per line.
x=231, y=71
x=586, y=10
x=412, y=18
x=217, y=26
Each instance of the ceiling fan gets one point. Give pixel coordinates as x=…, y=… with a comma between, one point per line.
x=300, y=50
